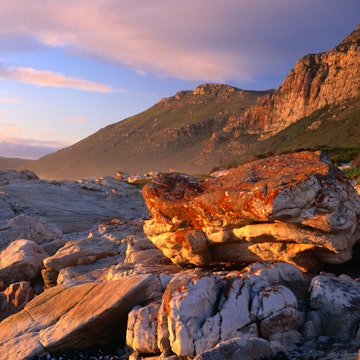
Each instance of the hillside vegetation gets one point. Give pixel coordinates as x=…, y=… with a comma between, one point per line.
x=168, y=136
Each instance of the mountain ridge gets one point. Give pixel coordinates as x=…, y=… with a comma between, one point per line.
x=214, y=124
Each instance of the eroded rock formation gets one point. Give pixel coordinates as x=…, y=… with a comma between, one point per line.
x=296, y=208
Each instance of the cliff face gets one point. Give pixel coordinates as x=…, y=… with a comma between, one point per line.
x=315, y=81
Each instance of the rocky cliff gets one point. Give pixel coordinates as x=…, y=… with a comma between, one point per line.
x=315, y=81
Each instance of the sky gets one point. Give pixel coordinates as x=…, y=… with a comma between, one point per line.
x=69, y=68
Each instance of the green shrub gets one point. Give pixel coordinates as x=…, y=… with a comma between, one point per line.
x=352, y=173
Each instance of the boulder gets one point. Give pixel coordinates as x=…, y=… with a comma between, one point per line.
x=200, y=309
x=21, y=261
x=238, y=348
x=74, y=317
x=27, y=227
x=336, y=301
x=14, y=298
x=141, y=334
x=296, y=208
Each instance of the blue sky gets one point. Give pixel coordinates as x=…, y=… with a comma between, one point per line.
x=69, y=68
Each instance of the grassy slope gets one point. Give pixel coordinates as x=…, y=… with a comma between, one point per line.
x=335, y=130
x=142, y=142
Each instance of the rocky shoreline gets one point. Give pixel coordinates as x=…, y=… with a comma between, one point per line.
x=247, y=263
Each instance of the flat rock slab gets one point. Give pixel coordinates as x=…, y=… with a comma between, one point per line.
x=296, y=208
x=71, y=205
x=65, y=317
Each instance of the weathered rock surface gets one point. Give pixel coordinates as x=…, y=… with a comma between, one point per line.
x=315, y=81
x=336, y=303
x=27, y=227
x=296, y=208
x=201, y=309
x=21, y=260
x=74, y=317
x=238, y=348
x=70, y=205
x=14, y=298
x=83, y=252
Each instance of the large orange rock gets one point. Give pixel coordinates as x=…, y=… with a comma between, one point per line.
x=296, y=208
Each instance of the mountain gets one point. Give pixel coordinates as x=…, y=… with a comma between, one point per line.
x=12, y=163
x=169, y=135
x=213, y=125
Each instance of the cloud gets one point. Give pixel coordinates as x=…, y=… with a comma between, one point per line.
x=204, y=39
x=9, y=131
x=26, y=149
x=9, y=99
x=49, y=78
x=12, y=144
x=77, y=119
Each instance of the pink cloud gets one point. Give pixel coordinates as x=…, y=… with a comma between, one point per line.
x=217, y=40
x=10, y=100
x=49, y=78
x=77, y=119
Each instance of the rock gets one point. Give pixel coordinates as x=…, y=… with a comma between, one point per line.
x=238, y=348
x=27, y=227
x=71, y=206
x=296, y=208
x=200, y=309
x=95, y=272
x=277, y=309
x=141, y=334
x=73, y=317
x=6, y=212
x=14, y=298
x=82, y=252
x=337, y=302
x=189, y=300
x=21, y=260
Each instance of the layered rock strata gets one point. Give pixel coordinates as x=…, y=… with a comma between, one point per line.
x=296, y=208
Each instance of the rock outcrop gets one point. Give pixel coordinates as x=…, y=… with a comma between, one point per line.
x=315, y=81
x=296, y=208
x=21, y=260
x=73, y=317
x=58, y=202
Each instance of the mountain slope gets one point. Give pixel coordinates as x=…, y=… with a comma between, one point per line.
x=167, y=136
x=329, y=127
x=12, y=163
x=214, y=125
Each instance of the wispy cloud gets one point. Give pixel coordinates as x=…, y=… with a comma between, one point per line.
x=49, y=78
x=9, y=131
x=13, y=144
x=76, y=119
x=9, y=99
x=215, y=40
x=27, y=148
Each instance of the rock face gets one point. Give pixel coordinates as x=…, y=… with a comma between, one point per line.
x=296, y=208
x=329, y=296
x=315, y=81
x=58, y=202
x=81, y=315
x=21, y=260
x=27, y=227
x=200, y=310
